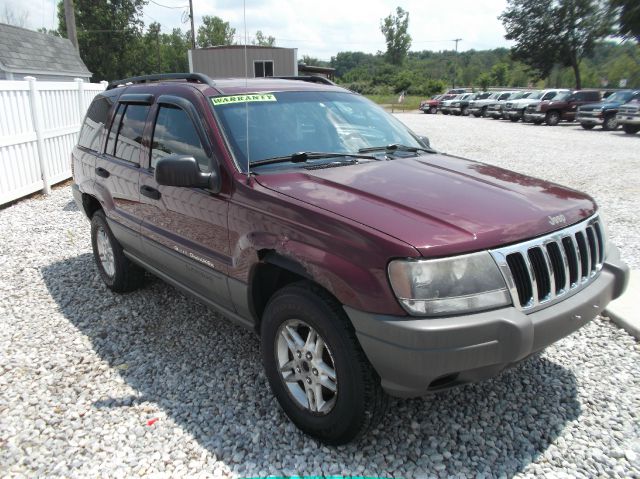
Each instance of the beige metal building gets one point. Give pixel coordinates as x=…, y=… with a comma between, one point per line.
x=229, y=61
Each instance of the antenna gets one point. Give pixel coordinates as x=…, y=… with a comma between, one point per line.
x=246, y=82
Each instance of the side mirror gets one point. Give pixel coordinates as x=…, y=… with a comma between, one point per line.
x=183, y=171
x=425, y=141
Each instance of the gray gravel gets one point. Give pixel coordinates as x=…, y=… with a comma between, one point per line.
x=84, y=372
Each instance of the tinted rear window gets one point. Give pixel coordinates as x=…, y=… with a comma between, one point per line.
x=94, y=122
x=125, y=137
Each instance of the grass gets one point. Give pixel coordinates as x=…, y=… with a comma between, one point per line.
x=390, y=102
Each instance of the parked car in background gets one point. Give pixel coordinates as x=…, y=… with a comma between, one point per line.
x=605, y=112
x=497, y=110
x=562, y=107
x=479, y=107
x=461, y=107
x=457, y=91
x=629, y=117
x=445, y=106
x=431, y=106
x=515, y=110
x=548, y=95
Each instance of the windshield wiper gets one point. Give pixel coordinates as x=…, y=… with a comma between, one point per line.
x=395, y=147
x=303, y=156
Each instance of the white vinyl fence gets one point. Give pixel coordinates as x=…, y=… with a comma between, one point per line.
x=39, y=125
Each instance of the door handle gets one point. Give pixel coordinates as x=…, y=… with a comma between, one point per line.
x=150, y=192
x=102, y=172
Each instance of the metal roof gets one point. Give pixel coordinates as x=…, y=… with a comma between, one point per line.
x=28, y=51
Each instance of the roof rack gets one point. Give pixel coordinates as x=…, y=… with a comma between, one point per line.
x=308, y=78
x=192, y=77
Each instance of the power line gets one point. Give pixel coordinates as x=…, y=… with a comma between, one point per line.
x=167, y=6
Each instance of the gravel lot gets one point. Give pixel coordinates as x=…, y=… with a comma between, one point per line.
x=94, y=384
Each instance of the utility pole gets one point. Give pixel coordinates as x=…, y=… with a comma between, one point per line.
x=193, y=30
x=456, y=62
x=70, y=19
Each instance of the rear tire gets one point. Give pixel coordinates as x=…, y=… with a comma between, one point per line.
x=464, y=111
x=631, y=129
x=116, y=270
x=433, y=110
x=587, y=126
x=484, y=112
x=514, y=119
x=357, y=403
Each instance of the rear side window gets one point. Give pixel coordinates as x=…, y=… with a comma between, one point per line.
x=94, y=122
x=125, y=137
x=175, y=134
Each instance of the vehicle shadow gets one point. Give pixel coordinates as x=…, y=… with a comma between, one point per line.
x=206, y=375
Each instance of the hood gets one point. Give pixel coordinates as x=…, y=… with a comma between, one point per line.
x=601, y=104
x=524, y=101
x=439, y=204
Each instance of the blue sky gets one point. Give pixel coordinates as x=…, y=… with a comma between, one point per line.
x=323, y=28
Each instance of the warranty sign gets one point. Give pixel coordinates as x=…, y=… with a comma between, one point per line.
x=225, y=100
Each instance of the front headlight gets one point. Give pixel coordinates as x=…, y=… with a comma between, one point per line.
x=538, y=107
x=456, y=104
x=467, y=283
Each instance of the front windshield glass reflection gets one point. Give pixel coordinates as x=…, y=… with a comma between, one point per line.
x=292, y=122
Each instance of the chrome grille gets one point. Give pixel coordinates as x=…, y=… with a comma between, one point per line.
x=628, y=110
x=548, y=269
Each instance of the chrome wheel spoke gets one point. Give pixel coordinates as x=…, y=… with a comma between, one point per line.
x=328, y=383
x=311, y=399
x=293, y=339
x=288, y=366
x=327, y=370
x=317, y=393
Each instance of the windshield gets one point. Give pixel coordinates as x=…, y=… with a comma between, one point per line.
x=562, y=96
x=535, y=95
x=516, y=95
x=284, y=123
x=621, y=96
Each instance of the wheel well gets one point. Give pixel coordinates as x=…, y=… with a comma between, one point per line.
x=90, y=205
x=270, y=275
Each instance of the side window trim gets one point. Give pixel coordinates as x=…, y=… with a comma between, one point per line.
x=191, y=111
x=117, y=118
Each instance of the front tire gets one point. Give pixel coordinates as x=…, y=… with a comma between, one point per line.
x=610, y=123
x=433, y=110
x=316, y=367
x=552, y=118
x=631, y=129
x=116, y=270
x=587, y=126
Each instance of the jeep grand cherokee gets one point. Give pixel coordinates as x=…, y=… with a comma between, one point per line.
x=367, y=263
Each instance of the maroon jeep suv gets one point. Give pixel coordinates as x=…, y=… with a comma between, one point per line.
x=368, y=263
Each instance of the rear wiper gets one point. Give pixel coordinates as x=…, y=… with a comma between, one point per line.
x=303, y=156
x=395, y=147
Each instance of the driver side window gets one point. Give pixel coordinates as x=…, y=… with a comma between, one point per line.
x=175, y=134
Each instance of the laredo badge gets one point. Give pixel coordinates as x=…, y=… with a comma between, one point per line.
x=225, y=100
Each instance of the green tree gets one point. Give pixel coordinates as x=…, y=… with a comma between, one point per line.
x=394, y=29
x=109, y=36
x=484, y=80
x=500, y=74
x=214, y=31
x=550, y=32
x=628, y=15
x=263, y=40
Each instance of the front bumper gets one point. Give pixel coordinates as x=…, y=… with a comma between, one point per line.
x=415, y=356
x=514, y=114
x=624, y=119
x=494, y=113
x=590, y=119
x=534, y=116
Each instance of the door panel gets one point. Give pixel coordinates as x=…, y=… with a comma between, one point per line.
x=184, y=230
